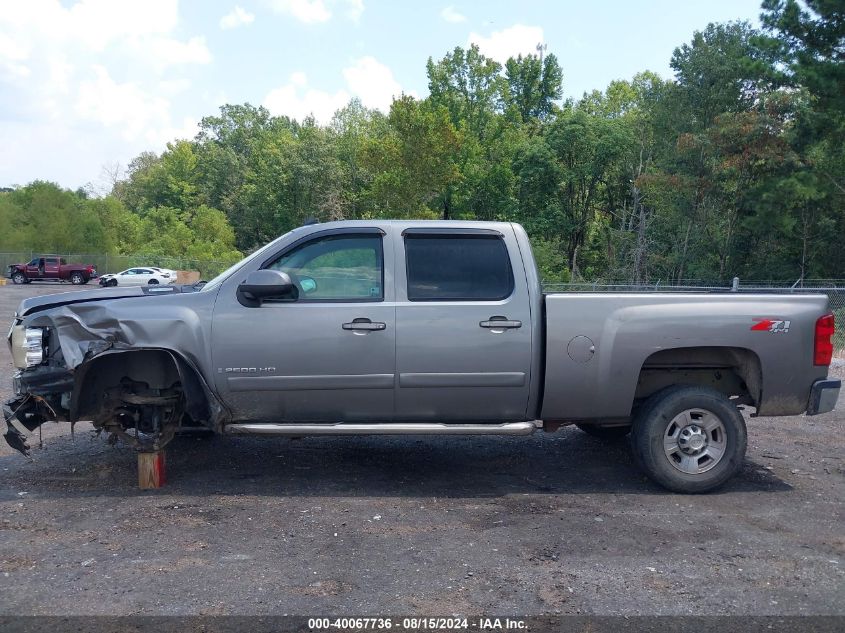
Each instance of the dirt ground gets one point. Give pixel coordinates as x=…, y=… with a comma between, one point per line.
x=554, y=523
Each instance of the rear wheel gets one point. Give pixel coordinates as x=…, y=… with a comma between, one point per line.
x=606, y=433
x=19, y=278
x=77, y=279
x=689, y=439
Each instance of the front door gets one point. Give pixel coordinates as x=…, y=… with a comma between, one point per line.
x=328, y=356
x=463, y=327
x=128, y=278
x=35, y=268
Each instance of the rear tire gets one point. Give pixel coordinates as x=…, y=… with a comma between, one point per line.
x=689, y=439
x=605, y=433
x=77, y=279
x=19, y=278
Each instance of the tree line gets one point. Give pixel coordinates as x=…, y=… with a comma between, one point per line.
x=734, y=167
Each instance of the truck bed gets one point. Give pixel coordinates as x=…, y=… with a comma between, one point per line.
x=597, y=345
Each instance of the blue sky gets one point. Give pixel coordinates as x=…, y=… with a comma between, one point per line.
x=88, y=84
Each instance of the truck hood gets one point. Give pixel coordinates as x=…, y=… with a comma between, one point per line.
x=45, y=302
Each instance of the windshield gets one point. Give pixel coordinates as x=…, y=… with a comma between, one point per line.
x=219, y=278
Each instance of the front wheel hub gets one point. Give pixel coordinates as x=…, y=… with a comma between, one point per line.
x=692, y=439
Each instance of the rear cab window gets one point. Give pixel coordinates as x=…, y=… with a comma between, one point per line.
x=457, y=267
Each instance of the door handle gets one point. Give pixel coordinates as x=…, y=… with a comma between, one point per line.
x=498, y=322
x=364, y=324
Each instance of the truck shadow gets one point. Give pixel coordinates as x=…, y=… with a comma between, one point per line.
x=567, y=462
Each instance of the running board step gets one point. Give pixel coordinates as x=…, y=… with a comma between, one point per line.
x=389, y=428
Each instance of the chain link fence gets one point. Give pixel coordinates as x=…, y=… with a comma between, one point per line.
x=833, y=288
x=118, y=263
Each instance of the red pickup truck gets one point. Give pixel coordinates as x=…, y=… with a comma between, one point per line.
x=52, y=268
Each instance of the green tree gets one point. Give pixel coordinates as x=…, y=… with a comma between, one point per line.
x=415, y=163
x=469, y=86
x=720, y=70
x=533, y=85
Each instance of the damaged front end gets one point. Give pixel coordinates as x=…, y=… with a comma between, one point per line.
x=99, y=362
x=23, y=414
x=143, y=417
x=39, y=385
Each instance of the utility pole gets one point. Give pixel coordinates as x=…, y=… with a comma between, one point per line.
x=541, y=50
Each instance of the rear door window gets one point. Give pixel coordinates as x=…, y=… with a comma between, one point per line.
x=457, y=267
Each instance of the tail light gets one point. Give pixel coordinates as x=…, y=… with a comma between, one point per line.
x=823, y=347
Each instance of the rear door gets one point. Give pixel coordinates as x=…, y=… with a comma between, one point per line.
x=463, y=326
x=143, y=276
x=51, y=267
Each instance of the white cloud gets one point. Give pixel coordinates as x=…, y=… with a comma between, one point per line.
x=367, y=78
x=450, y=14
x=12, y=70
x=307, y=11
x=94, y=79
x=354, y=9
x=164, y=52
x=372, y=82
x=236, y=17
x=126, y=107
x=38, y=29
x=92, y=24
x=510, y=42
x=187, y=129
x=297, y=101
x=316, y=11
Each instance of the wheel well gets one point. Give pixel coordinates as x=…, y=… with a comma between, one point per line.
x=735, y=371
x=159, y=369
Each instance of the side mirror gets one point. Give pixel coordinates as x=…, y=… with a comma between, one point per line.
x=264, y=284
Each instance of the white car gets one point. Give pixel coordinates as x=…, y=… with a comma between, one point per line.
x=166, y=272
x=141, y=276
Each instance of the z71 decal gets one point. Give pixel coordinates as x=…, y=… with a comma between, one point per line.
x=773, y=326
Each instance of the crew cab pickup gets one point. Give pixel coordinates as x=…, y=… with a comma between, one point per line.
x=51, y=268
x=421, y=327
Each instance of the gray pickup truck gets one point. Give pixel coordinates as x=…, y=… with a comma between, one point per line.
x=416, y=327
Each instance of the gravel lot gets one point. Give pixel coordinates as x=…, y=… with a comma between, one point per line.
x=554, y=523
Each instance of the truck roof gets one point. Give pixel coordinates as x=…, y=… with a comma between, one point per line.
x=409, y=221
x=421, y=223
